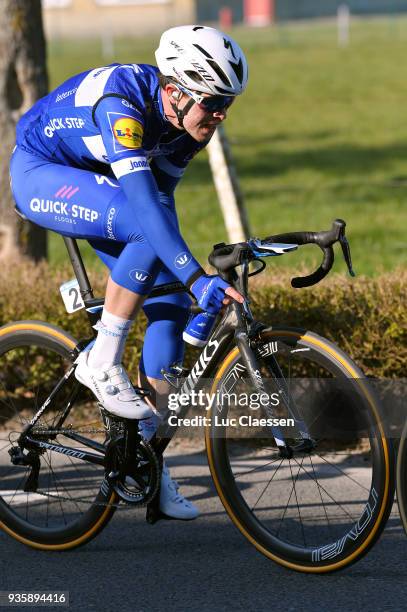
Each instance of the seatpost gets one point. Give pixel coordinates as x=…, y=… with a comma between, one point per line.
x=78, y=268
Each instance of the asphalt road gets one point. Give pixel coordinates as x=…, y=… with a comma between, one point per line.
x=204, y=565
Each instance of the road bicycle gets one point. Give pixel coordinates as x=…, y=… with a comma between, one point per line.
x=401, y=477
x=313, y=495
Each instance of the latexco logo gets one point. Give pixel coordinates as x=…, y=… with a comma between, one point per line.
x=140, y=276
x=182, y=260
x=109, y=223
x=65, y=94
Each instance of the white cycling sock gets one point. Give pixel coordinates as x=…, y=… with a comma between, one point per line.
x=110, y=342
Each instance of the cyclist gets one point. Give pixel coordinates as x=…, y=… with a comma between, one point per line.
x=99, y=158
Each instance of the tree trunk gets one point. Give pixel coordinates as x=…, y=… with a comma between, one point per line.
x=23, y=79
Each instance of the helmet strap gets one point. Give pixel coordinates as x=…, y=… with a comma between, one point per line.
x=182, y=112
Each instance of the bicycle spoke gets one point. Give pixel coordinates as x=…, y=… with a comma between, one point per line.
x=298, y=506
x=262, y=493
x=289, y=499
x=66, y=491
x=48, y=498
x=326, y=492
x=262, y=467
x=344, y=473
x=17, y=488
x=322, y=501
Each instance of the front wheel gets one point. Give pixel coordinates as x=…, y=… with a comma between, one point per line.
x=402, y=478
x=319, y=510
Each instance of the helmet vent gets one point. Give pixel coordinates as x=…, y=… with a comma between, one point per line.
x=238, y=69
x=222, y=91
x=202, y=50
x=228, y=45
x=219, y=72
x=195, y=76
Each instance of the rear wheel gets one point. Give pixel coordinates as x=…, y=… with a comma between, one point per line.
x=318, y=511
x=72, y=501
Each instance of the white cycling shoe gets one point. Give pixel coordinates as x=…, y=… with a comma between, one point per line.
x=172, y=504
x=113, y=389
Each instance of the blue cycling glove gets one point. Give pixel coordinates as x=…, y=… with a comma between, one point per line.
x=210, y=292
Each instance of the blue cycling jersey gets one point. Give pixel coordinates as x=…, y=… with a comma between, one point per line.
x=110, y=120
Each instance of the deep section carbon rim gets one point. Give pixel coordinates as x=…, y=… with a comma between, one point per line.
x=68, y=506
x=402, y=478
x=317, y=511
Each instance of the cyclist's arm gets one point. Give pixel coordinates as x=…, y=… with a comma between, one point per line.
x=169, y=169
x=130, y=166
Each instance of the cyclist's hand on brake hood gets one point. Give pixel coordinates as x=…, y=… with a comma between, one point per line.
x=212, y=292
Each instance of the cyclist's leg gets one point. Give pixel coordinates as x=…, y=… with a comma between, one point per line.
x=163, y=346
x=167, y=317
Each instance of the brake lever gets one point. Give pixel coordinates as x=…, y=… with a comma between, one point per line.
x=346, y=253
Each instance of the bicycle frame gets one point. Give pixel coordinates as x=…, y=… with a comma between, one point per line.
x=237, y=325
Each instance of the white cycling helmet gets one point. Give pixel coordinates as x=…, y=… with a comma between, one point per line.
x=203, y=59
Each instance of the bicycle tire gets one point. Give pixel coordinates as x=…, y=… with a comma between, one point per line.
x=40, y=341
x=259, y=525
x=401, y=477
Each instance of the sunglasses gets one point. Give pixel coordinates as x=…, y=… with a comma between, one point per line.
x=212, y=104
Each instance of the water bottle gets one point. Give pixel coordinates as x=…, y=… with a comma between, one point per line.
x=199, y=328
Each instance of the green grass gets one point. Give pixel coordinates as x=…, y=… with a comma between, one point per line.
x=320, y=133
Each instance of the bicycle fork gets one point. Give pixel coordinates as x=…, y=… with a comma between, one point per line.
x=306, y=443
x=253, y=370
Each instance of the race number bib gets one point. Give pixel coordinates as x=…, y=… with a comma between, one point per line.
x=71, y=295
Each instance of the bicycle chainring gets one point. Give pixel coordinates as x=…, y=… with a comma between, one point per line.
x=136, y=481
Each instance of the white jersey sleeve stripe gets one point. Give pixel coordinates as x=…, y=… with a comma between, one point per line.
x=96, y=147
x=92, y=86
x=164, y=164
x=129, y=165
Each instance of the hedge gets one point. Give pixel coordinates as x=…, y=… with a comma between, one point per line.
x=366, y=317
